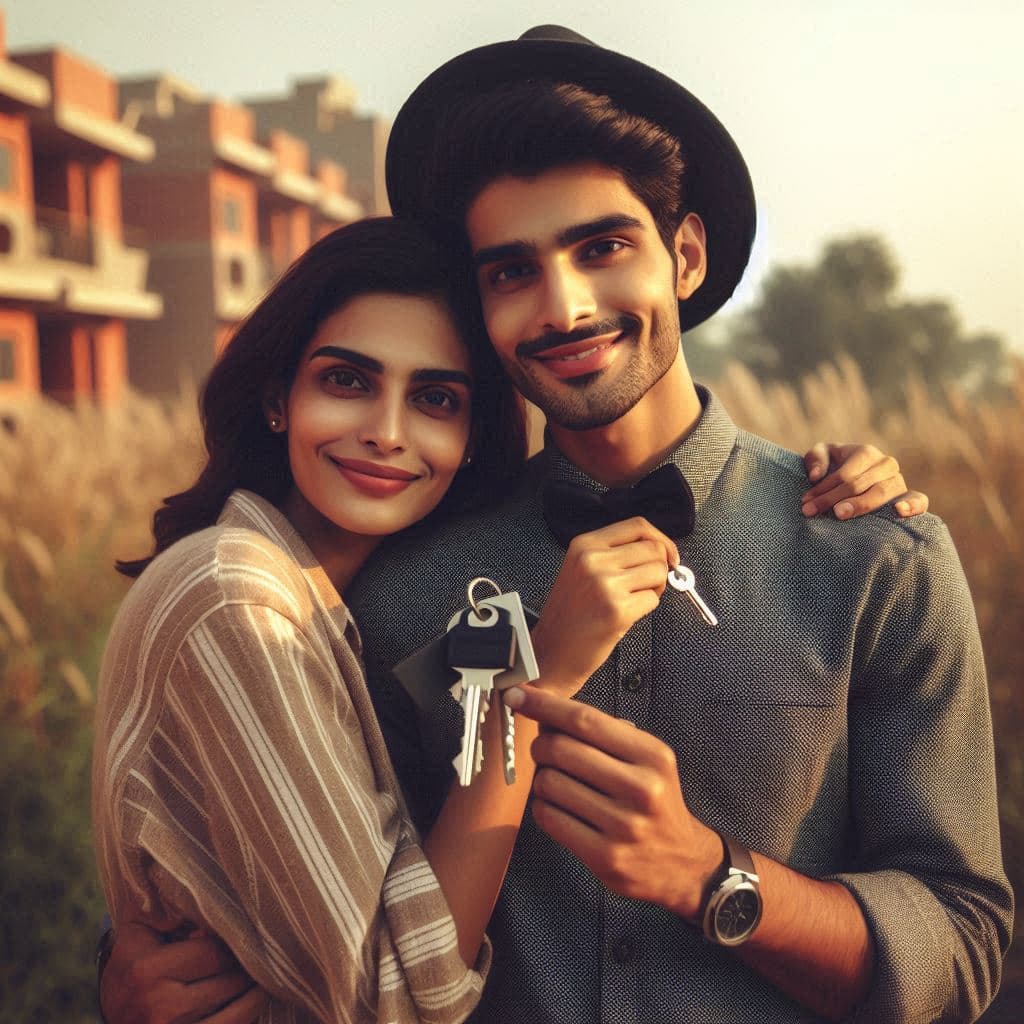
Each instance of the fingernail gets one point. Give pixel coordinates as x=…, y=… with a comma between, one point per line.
x=844, y=510
x=903, y=507
x=514, y=697
x=808, y=508
x=816, y=472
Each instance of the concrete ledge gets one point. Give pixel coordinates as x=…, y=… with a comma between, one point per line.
x=23, y=85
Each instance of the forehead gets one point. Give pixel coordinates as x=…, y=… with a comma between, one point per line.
x=536, y=209
x=404, y=332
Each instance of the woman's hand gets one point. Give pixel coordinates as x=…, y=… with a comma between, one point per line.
x=863, y=479
x=610, y=579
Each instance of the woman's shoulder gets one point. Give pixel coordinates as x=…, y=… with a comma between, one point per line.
x=225, y=565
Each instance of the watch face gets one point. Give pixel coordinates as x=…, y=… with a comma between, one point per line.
x=737, y=914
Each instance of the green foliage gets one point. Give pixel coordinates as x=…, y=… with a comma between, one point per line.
x=848, y=304
x=50, y=896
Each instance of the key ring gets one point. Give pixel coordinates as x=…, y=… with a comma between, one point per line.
x=681, y=577
x=483, y=614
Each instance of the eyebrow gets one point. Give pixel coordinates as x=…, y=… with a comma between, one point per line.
x=376, y=366
x=566, y=237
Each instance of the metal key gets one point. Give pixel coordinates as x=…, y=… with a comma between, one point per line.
x=478, y=648
x=524, y=670
x=682, y=578
x=508, y=741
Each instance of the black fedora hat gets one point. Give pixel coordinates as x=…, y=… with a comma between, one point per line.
x=717, y=182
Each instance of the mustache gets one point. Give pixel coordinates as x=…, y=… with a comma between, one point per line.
x=553, y=339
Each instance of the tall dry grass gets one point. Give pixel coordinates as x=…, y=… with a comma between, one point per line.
x=78, y=487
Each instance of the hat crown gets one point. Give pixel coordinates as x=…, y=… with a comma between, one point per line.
x=556, y=34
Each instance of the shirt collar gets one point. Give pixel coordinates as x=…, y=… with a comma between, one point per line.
x=700, y=456
x=250, y=511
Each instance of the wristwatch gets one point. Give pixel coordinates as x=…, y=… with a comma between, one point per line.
x=733, y=906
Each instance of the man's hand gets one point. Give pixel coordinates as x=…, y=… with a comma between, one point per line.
x=609, y=793
x=863, y=480
x=610, y=579
x=150, y=981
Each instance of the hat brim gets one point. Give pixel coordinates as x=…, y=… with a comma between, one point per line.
x=716, y=182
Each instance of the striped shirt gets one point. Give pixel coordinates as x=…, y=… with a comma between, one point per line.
x=240, y=781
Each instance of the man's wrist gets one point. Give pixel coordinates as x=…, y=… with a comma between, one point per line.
x=702, y=878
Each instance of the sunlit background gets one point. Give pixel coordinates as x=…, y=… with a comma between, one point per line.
x=904, y=118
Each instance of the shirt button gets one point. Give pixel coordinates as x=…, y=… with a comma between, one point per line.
x=633, y=683
x=623, y=951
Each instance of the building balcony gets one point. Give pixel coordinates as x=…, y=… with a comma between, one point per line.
x=50, y=260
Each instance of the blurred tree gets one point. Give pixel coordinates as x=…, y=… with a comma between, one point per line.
x=849, y=303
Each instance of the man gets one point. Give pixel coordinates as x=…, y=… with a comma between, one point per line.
x=835, y=721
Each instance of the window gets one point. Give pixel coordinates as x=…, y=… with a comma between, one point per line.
x=6, y=359
x=231, y=212
x=6, y=167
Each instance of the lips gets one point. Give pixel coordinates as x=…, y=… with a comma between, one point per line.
x=373, y=478
x=580, y=357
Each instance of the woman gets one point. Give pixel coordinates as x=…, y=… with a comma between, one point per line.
x=241, y=782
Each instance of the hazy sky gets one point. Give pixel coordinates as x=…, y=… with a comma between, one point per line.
x=904, y=118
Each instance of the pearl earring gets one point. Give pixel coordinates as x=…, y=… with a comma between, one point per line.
x=275, y=422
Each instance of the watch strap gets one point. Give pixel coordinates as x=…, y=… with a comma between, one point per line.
x=737, y=859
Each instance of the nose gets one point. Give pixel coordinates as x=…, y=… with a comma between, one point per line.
x=383, y=429
x=567, y=298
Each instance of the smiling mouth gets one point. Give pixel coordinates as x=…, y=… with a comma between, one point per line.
x=374, y=469
x=581, y=357
x=373, y=479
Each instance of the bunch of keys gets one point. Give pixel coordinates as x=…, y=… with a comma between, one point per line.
x=682, y=578
x=488, y=645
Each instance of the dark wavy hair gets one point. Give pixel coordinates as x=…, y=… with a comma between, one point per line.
x=379, y=255
x=527, y=127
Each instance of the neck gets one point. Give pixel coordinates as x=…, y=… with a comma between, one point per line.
x=627, y=449
x=342, y=563
x=341, y=554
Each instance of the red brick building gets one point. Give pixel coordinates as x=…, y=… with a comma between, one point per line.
x=69, y=281
x=322, y=111
x=223, y=213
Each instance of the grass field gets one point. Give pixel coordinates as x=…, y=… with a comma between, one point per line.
x=78, y=487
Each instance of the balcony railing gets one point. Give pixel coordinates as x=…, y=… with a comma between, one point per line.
x=58, y=237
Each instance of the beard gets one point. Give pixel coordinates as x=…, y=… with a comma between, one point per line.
x=596, y=399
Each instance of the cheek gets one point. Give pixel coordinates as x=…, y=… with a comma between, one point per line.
x=640, y=288
x=506, y=318
x=317, y=419
x=443, y=447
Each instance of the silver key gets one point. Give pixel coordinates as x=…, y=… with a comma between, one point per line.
x=476, y=685
x=524, y=669
x=508, y=741
x=478, y=648
x=682, y=578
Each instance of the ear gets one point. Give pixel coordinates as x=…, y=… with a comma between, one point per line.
x=274, y=411
x=691, y=255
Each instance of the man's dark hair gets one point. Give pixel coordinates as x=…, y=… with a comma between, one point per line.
x=526, y=128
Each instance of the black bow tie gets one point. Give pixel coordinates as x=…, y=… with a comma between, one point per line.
x=663, y=498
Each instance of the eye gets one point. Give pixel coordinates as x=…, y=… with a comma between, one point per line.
x=438, y=401
x=341, y=378
x=508, y=274
x=602, y=247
